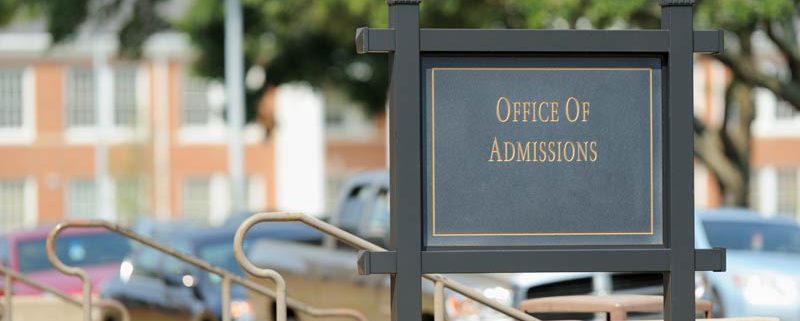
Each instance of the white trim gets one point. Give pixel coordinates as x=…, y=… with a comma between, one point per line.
x=161, y=140
x=31, y=202
x=766, y=123
x=701, y=199
x=26, y=133
x=256, y=193
x=83, y=135
x=219, y=199
x=23, y=44
x=768, y=190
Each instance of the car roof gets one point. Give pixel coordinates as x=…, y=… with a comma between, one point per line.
x=371, y=177
x=42, y=231
x=741, y=215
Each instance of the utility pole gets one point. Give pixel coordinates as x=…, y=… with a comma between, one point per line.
x=234, y=92
x=104, y=102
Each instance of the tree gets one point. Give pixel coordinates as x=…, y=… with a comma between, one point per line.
x=312, y=41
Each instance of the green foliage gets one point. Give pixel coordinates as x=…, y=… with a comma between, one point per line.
x=312, y=40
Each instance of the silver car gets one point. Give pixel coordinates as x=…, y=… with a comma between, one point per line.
x=763, y=255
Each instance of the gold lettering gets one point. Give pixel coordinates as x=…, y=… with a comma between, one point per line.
x=551, y=148
x=541, y=117
x=508, y=109
x=526, y=108
x=516, y=110
x=495, y=151
x=559, y=151
x=554, y=111
x=505, y=149
x=569, y=156
x=582, y=150
x=523, y=154
x=577, y=109
x=593, y=151
x=585, y=111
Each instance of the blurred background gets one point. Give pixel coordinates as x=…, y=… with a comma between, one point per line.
x=120, y=110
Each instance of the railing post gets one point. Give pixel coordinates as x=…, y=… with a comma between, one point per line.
x=438, y=301
x=50, y=247
x=676, y=17
x=226, y=298
x=241, y=257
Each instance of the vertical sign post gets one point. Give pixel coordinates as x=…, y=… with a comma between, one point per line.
x=405, y=160
x=541, y=151
x=676, y=16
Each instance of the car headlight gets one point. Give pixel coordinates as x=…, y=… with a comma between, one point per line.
x=125, y=271
x=241, y=310
x=460, y=308
x=767, y=288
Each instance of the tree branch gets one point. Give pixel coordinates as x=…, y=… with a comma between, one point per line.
x=788, y=50
x=744, y=69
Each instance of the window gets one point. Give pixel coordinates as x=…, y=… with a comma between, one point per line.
x=131, y=199
x=11, y=104
x=196, y=204
x=80, y=98
x=754, y=195
x=787, y=191
x=196, y=111
x=784, y=111
x=82, y=199
x=125, y=113
x=12, y=203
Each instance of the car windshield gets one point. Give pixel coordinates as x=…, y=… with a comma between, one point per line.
x=749, y=236
x=73, y=250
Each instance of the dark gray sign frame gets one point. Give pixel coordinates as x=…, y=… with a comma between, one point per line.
x=676, y=258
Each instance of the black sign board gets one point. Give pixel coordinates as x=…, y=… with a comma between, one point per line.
x=542, y=151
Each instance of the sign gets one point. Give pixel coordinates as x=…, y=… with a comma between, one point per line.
x=542, y=151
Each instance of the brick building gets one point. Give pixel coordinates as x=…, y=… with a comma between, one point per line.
x=164, y=140
x=775, y=154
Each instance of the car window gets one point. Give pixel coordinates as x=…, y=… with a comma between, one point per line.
x=73, y=250
x=221, y=254
x=749, y=236
x=353, y=209
x=378, y=224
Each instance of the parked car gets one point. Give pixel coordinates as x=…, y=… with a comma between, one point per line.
x=154, y=285
x=321, y=274
x=763, y=267
x=98, y=251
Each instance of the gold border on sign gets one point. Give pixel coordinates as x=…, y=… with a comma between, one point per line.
x=433, y=150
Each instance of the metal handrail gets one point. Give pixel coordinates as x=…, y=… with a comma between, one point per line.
x=440, y=282
x=11, y=275
x=226, y=275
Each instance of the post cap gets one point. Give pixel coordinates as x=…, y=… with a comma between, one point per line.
x=394, y=2
x=671, y=3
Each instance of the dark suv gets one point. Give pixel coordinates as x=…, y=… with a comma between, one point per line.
x=154, y=285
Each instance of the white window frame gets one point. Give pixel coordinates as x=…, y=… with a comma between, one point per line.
x=26, y=133
x=67, y=192
x=210, y=197
x=766, y=123
x=82, y=135
x=213, y=131
x=30, y=206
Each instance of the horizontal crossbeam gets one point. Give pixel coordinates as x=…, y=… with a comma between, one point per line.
x=375, y=40
x=512, y=261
